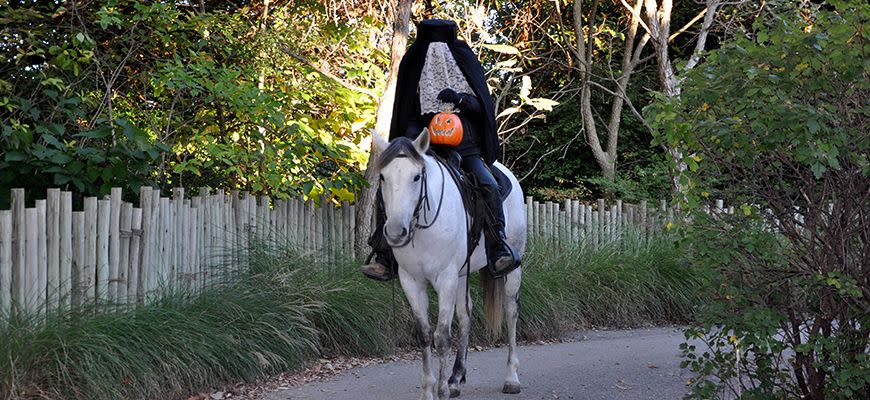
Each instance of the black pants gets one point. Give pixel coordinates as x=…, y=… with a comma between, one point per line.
x=477, y=167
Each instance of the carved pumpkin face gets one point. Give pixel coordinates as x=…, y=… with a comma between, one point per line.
x=446, y=129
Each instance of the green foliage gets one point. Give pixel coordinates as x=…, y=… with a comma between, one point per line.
x=126, y=93
x=122, y=93
x=777, y=125
x=572, y=172
x=638, y=182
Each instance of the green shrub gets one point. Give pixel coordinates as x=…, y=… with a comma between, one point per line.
x=776, y=123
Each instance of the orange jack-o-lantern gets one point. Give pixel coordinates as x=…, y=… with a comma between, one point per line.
x=445, y=129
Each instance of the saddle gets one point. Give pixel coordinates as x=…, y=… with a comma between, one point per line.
x=470, y=191
x=452, y=162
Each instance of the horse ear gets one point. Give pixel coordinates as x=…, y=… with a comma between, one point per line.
x=422, y=141
x=378, y=142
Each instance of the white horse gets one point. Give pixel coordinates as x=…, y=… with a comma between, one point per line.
x=426, y=227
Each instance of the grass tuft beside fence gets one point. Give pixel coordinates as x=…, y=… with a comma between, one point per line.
x=281, y=310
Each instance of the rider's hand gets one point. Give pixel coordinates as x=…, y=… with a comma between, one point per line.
x=449, y=96
x=463, y=101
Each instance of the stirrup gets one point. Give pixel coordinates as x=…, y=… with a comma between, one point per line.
x=368, y=270
x=496, y=273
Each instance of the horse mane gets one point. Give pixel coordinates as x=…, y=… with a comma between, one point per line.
x=399, y=147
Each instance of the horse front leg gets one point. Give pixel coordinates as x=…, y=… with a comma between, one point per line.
x=445, y=286
x=418, y=299
x=512, y=308
x=463, y=317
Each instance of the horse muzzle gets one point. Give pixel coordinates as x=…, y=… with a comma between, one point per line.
x=397, y=239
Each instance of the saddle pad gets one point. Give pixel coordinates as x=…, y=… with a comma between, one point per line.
x=504, y=183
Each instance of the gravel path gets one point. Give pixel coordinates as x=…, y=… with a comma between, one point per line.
x=634, y=364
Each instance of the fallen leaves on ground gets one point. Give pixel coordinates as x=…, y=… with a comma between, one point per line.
x=322, y=369
x=318, y=370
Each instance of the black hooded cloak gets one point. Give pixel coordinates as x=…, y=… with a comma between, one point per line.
x=406, y=110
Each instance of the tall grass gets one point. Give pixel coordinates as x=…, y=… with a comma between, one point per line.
x=161, y=350
x=624, y=283
x=280, y=310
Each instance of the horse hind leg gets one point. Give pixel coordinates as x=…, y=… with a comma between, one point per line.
x=512, y=305
x=464, y=319
x=418, y=299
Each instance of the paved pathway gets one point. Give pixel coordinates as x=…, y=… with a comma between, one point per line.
x=632, y=365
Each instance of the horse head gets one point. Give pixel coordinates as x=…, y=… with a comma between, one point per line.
x=402, y=178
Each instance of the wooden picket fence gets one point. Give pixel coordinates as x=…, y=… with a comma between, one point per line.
x=595, y=224
x=113, y=251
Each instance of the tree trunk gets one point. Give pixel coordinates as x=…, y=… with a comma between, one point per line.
x=658, y=19
x=366, y=197
x=605, y=154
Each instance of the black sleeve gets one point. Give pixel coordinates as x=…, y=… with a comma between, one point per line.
x=415, y=126
x=470, y=103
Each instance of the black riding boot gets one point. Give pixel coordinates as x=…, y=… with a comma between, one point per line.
x=384, y=267
x=499, y=255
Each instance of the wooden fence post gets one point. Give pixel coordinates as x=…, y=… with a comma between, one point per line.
x=103, y=230
x=165, y=244
x=19, y=242
x=31, y=280
x=41, y=257
x=65, y=278
x=77, y=273
x=134, y=276
x=52, y=243
x=114, y=244
x=144, y=274
x=90, y=266
x=353, y=238
x=644, y=228
x=6, y=235
x=124, y=235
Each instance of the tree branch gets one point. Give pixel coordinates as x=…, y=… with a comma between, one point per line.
x=636, y=14
x=628, y=102
x=712, y=6
x=327, y=74
x=688, y=25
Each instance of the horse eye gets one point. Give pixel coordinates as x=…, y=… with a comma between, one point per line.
x=381, y=176
x=416, y=177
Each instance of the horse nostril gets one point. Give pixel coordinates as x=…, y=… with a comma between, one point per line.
x=390, y=234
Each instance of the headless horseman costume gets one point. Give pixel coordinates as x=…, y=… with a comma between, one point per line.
x=439, y=69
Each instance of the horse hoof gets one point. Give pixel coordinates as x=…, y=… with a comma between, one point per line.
x=511, y=388
x=454, y=392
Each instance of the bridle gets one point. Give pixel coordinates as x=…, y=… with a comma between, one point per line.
x=423, y=207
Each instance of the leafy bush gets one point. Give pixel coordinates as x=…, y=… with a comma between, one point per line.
x=124, y=93
x=778, y=125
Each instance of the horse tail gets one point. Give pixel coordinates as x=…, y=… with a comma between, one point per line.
x=493, y=302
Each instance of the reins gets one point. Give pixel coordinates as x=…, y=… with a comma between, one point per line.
x=424, y=197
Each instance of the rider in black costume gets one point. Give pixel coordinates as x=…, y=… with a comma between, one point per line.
x=438, y=69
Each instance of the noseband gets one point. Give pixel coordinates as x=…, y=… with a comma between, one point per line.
x=423, y=205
